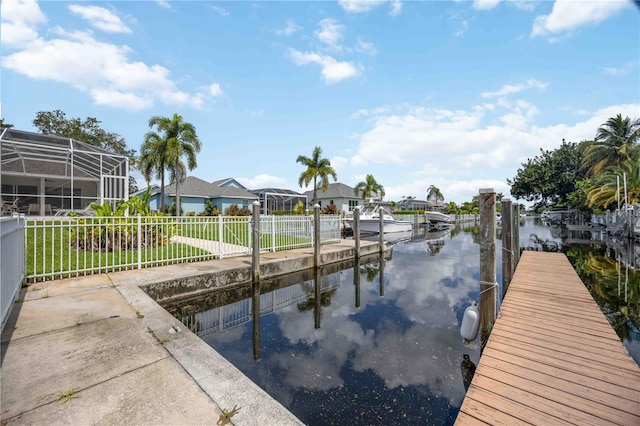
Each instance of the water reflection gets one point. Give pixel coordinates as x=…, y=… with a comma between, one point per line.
x=389, y=350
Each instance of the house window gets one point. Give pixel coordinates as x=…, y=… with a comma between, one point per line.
x=245, y=204
x=320, y=203
x=353, y=204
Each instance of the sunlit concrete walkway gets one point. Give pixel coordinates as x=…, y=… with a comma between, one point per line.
x=98, y=350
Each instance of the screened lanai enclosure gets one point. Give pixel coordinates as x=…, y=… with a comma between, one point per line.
x=278, y=200
x=51, y=175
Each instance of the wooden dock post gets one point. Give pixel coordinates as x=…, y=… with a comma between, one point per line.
x=255, y=252
x=316, y=236
x=515, y=236
x=507, y=244
x=317, y=306
x=488, y=285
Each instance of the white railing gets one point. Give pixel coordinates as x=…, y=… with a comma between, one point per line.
x=12, y=272
x=60, y=247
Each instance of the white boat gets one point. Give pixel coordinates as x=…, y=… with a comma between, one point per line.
x=437, y=217
x=370, y=219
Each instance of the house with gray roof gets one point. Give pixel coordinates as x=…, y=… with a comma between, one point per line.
x=194, y=191
x=341, y=195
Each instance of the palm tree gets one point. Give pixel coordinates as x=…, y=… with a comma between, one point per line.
x=433, y=193
x=317, y=168
x=179, y=139
x=604, y=192
x=369, y=187
x=616, y=141
x=152, y=161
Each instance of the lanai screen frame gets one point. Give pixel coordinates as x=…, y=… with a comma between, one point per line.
x=280, y=198
x=67, y=163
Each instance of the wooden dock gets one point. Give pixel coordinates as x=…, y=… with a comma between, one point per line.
x=552, y=357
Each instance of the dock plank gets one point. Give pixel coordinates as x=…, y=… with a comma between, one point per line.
x=552, y=356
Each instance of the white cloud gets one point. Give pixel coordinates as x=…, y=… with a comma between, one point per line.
x=330, y=33
x=569, y=15
x=221, y=10
x=462, y=150
x=360, y=6
x=289, y=29
x=366, y=47
x=103, y=70
x=101, y=18
x=163, y=3
x=624, y=70
x=364, y=6
x=20, y=20
x=264, y=181
x=485, y=4
x=339, y=163
x=215, y=90
x=333, y=71
x=510, y=89
x=462, y=28
x=396, y=8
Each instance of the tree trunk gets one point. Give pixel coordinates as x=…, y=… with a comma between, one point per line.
x=162, y=192
x=178, y=178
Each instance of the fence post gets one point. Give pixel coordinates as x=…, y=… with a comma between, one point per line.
x=220, y=237
x=507, y=245
x=488, y=285
x=255, y=254
x=356, y=230
x=140, y=241
x=273, y=233
x=316, y=236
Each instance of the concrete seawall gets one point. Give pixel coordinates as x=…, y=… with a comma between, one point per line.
x=120, y=358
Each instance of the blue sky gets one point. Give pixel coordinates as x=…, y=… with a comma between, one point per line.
x=455, y=94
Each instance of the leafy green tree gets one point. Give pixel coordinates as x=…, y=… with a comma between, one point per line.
x=550, y=177
x=616, y=141
x=452, y=208
x=369, y=188
x=318, y=171
x=153, y=161
x=299, y=208
x=4, y=125
x=434, y=193
x=87, y=131
x=176, y=139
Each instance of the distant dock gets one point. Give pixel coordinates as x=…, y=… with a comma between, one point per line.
x=552, y=357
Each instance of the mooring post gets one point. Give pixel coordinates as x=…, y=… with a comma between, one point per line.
x=356, y=230
x=255, y=252
x=515, y=236
x=316, y=235
x=488, y=285
x=381, y=274
x=381, y=229
x=507, y=244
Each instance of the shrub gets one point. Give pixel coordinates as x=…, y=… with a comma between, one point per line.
x=330, y=209
x=191, y=213
x=234, y=210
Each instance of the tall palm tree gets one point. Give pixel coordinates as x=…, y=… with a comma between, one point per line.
x=179, y=140
x=433, y=193
x=369, y=187
x=152, y=161
x=616, y=141
x=318, y=168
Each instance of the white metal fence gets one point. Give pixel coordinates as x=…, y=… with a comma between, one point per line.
x=65, y=247
x=12, y=261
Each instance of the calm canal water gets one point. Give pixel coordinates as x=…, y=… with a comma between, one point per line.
x=379, y=342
